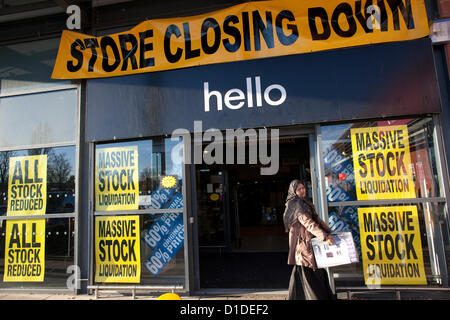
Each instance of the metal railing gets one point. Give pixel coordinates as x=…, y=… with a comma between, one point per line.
x=352, y=290
x=133, y=289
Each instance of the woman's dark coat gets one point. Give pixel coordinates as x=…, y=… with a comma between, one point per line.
x=303, y=224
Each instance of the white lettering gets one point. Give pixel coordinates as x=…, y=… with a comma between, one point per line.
x=235, y=98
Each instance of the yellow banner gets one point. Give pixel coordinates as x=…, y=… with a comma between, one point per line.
x=251, y=30
x=25, y=239
x=117, y=249
x=391, y=246
x=27, y=185
x=382, y=163
x=116, y=179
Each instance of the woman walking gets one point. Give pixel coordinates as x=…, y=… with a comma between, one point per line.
x=303, y=223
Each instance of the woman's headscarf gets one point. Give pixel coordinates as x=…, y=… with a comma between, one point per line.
x=290, y=213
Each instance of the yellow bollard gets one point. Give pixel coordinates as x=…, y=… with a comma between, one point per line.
x=169, y=296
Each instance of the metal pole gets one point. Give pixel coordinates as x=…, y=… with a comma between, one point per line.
x=322, y=193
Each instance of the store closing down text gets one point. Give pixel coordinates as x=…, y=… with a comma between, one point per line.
x=244, y=31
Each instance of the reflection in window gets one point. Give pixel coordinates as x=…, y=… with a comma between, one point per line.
x=338, y=158
x=160, y=178
x=160, y=187
x=40, y=118
x=426, y=213
x=162, y=260
x=28, y=65
x=60, y=177
x=59, y=254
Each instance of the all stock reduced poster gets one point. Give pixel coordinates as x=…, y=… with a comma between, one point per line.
x=25, y=239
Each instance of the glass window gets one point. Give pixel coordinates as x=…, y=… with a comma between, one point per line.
x=160, y=204
x=28, y=66
x=60, y=177
x=40, y=118
x=38, y=133
x=13, y=3
x=155, y=170
x=57, y=255
x=338, y=158
x=379, y=245
x=160, y=263
x=385, y=172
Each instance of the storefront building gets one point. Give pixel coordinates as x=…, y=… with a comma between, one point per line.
x=141, y=179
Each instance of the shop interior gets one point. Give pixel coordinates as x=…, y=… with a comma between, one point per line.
x=241, y=237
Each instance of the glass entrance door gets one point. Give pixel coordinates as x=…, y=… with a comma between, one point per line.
x=241, y=236
x=212, y=212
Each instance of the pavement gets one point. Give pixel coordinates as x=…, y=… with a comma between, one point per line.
x=218, y=294
x=127, y=295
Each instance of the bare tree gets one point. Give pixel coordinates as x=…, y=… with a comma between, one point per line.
x=4, y=168
x=58, y=168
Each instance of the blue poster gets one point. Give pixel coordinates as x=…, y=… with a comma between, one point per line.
x=341, y=189
x=161, y=228
x=176, y=202
x=337, y=163
x=337, y=224
x=159, y=197
x=336, y=193
x=351, y=214
x=166, y=235
x=167, y=249
x=165, y=222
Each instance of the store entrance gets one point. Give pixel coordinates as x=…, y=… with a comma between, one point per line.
x=241, y=237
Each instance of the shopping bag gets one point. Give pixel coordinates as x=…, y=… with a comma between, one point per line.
x=342, y=252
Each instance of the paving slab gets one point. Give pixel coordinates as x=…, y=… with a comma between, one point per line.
x=216, y=295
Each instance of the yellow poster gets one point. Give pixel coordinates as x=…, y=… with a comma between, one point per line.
x=382, y=163
x=391, y=246
x=27, y=185
x=116, y=179
x=25, y=251
x=25, y=239
x=117, y=249
x=251, y=30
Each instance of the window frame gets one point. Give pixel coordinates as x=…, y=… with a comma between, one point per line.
x=442, y=180
x=171, y=284
x=75, y=143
